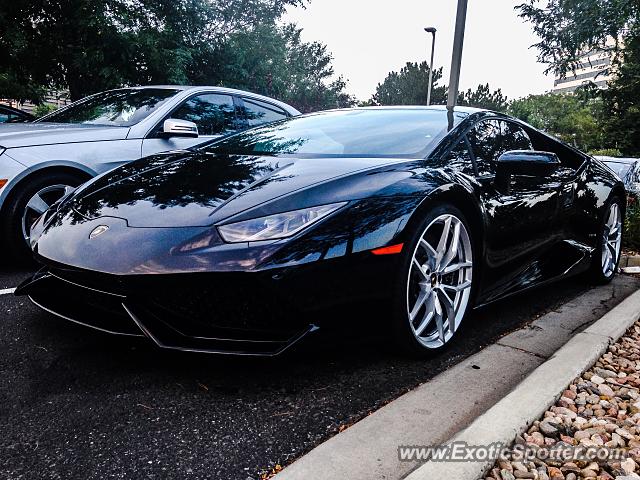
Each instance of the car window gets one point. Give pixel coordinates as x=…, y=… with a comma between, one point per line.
x=485, y=138
x=514, y=137
x=491, y=138
x=356, y=132
x=4, y=117
x=257, y=113
x=570, y=159
x=124, y=107
x=460, y=158
x=213, y=113
x=621, y=169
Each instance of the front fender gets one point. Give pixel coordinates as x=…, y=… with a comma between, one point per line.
x=20, y=172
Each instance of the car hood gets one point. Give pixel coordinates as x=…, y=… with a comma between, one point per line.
x=14, y=135
x=200, y=189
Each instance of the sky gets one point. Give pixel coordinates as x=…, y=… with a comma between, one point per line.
x=370, y=38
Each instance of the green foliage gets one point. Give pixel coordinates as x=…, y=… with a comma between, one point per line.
x=568, y=28
x=483, y=97
x=622, y=101
x=409, y=86
x=94, y=45
x=274, y=61
x=570, y=117
x=631, y=238
x=606, y=152
x=42, y=109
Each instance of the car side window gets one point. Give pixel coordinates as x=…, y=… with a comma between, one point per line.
x=460, y=158
x=514, y=137
x=213, y=113
x=570, y=160
x=257, y=113
x=485, y=140
x=491, y=138
x=4, y=117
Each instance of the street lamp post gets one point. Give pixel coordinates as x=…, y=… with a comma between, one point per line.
x=432, y=31
x=456, y=58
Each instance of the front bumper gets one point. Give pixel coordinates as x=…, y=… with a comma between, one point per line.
x=242, y=313
x=173, y=314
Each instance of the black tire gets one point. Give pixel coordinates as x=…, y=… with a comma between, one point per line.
x=596, y=272
x=12, y=215
x=404, y=337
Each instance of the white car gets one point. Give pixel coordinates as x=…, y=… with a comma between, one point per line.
x=41, y=161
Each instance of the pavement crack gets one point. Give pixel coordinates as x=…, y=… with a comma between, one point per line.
x=543, y=357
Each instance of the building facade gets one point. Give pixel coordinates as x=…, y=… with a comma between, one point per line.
x=56, y=98
x=595, y=66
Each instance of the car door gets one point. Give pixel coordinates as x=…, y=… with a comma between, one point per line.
x=521, y=223
x=214, y=113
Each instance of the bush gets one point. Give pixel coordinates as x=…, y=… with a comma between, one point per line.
x=607, y=152
x=632, y=224
x=42, y=109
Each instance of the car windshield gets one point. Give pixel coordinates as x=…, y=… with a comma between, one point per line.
x=122, y=108
x=621, y=169
x=356, y=132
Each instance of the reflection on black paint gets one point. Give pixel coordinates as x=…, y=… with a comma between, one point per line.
x=204, y=180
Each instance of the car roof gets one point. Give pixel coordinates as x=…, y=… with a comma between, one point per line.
x=459, y=109
x=206, y=88
x=627, y=161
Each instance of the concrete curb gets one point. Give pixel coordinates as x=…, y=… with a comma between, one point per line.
x=536, y=393
x=629, y=261
x=433, y=412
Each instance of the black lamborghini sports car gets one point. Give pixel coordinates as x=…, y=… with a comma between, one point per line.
x=236, y=246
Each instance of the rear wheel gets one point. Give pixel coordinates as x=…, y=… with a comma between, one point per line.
x=607, y=254
x=436, y=282
x=25, y=206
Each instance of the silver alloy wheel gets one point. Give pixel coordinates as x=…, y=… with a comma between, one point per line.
x=39, y=203
x=611, y=240
x=439, y=282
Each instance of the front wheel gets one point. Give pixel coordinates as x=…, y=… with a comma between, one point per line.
x=434, y=291
x=26, y=205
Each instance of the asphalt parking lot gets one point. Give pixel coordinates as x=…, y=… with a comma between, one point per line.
x=75, y=403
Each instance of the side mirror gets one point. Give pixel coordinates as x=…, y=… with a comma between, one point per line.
x=524, y=162
x=179, y=128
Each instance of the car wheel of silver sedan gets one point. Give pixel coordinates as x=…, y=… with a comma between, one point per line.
x=26, y=202
x=40, y=203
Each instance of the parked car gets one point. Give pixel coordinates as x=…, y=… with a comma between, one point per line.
x=628, y=169
x=238, y=245
x=41, y=161
x=13, y=115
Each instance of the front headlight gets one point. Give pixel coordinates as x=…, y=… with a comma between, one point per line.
x=280, y=225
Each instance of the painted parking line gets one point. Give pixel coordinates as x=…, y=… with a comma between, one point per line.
x=7, y=291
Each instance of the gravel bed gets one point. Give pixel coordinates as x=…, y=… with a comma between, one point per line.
x=598, y=414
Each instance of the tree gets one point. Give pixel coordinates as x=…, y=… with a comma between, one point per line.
x=93, y=45
x=483, y=97
x=568, y=28
x=409, y=87
x=622, y=102
x=572, y=118
x=274, y=61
